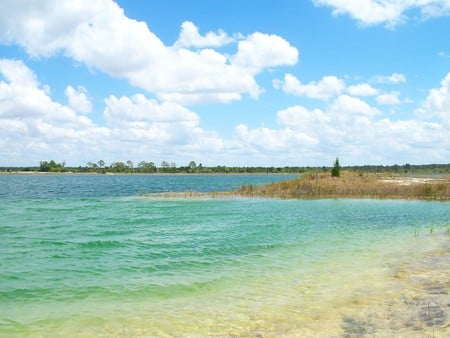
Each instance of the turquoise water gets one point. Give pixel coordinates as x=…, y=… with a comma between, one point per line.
x=97, y=256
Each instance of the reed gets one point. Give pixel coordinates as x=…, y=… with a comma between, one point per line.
x=354, y=185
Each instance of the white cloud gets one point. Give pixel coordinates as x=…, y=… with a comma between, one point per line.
x=159, y=129
x=78, y=99
x=362, y=89
x=190, y=37
x=437, y=103
x=394, y=78
x=302, y=118
x=38, y=128
x=331, y=86
x=326, y=88
x=386, y=12
x=367, y=12
x=259, y=51
x=145, y=120
x=14, y=71
x=33, y=127
x=272, y=141
x=388, y=98
x=200, y=77
x=22, y=96
x=346, y=105
x=352, y=129
x=84, y=30
x=33, y=124
x=142, y=128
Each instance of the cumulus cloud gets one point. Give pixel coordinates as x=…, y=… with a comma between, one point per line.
x=302, y=118
x=272, y=140
x=33, y=127
x=259, y=51
x=84, y=30
x=32, y=123
x=22, y=96
x=386, y=12
x=437, y=103
x=332, y=87
x=352, y=129
x=324, y=89
x=145, y=120
x=190, y=37
x=15, y=72
x=78, y=99
x=346, y=105
x=362, y=89
x=155, y=129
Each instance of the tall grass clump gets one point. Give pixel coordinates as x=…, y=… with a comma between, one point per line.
x=352, y=185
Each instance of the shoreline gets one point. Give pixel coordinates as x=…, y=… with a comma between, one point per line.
x=142, y=174
x=310, y=185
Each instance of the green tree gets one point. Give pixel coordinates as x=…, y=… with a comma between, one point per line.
x=165, y=166
x=51, y=166
x=44, y=166
x=119, y=167
x=92, y=166
x=192, y=166
x=146, y=167
x=336, y=171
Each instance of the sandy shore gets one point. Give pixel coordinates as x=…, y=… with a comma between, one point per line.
x=416, y=180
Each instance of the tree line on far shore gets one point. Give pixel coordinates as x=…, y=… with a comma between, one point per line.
x=192, y=167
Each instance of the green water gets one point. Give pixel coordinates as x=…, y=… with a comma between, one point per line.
x=85, y=266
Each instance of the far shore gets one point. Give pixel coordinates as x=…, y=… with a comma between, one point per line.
x=312, y=185
x=138, y=173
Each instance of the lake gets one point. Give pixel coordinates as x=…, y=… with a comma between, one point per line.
x=99, y=255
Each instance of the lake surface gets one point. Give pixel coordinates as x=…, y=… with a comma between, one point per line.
x=96, y=255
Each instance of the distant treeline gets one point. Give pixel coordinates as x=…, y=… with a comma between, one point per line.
x=193, y=167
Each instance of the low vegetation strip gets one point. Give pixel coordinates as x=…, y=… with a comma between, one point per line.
x=354, y=185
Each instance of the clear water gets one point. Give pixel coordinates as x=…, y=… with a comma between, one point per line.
x=84, y=256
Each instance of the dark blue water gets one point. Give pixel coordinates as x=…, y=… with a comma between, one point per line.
x=87, y=186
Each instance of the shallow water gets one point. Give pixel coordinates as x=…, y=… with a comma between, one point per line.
x=123, y=264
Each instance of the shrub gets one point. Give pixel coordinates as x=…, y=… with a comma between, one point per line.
x=336, y=171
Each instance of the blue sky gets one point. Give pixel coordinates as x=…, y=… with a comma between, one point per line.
x=268, y=83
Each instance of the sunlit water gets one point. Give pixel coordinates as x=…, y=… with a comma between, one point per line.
x=96, y=256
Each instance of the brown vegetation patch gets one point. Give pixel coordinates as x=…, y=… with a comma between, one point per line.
x=354, y=185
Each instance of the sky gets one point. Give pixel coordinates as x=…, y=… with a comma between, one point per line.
x=236, y=83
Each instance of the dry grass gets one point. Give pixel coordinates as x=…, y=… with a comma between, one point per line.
x=353, y=185
x=191, y=195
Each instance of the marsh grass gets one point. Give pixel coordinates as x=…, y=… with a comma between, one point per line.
x=353, y=185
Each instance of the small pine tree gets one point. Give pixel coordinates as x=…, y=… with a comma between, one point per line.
x=336, y=171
